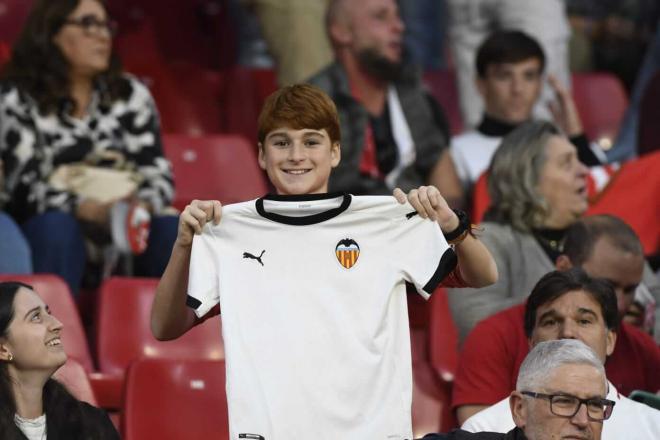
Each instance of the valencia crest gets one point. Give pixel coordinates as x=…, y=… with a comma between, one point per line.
x=347, y=252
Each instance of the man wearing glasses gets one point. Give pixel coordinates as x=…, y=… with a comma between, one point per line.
x=572, y=305
x=560, y=393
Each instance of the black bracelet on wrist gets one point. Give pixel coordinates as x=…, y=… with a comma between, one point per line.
x=462, y=229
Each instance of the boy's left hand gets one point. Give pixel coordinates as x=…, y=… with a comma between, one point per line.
x=429, y=203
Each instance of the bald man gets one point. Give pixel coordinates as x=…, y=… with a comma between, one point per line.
x=393, y=133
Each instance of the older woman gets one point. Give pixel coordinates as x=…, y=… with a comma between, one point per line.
x=538, y=188
x=64, y=100
x=32, y=404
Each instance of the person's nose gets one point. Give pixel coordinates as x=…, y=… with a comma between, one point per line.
x=55, y=325
x=297, y=152
x=581, y=417
x=568, y=330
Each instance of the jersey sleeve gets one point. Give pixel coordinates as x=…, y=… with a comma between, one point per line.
x=425, y=256
x=203, y=285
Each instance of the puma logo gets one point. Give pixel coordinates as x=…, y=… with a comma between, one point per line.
x=249, y=255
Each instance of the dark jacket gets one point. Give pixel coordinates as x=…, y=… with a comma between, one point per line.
x=459, y=434
x=94, y=421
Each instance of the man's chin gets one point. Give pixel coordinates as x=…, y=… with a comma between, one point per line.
x=381, y=66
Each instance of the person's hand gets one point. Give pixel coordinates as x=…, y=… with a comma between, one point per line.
x=93, y=211
x=563, y=109
x=429, y=203
x=194, y=217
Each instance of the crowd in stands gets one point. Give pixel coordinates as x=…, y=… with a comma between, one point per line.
x=565, y=212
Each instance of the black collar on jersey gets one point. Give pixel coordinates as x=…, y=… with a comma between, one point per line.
x=495, y=127
x=304, y=220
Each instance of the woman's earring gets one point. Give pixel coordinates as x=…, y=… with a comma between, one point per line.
x=11, y=357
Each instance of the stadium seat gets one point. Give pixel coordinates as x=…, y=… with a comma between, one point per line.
x=5, y=53
x=74, y=377
x=601, y=101
x=442, y=85
x=12, y=17
x=175, y=399
x=245, y=92
x=648, y=134
x=443, y=337
x=123, y=333
x=55, y=293
x=222, y=167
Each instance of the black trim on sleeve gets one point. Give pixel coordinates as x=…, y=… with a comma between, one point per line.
x=304, y=220
x=447, y=263
x=193, y=303
x=585, y=153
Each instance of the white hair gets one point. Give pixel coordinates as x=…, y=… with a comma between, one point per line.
x=546, y=356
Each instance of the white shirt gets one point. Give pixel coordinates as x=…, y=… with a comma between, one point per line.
x=471, y=153
x=33, y=429
x=629, y=419
x=315, y=324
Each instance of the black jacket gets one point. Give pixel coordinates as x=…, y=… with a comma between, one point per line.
x=459, y=434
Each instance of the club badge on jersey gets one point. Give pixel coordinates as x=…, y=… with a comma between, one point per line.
x=347, y=252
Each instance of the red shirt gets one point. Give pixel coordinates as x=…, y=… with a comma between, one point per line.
x=492, y=353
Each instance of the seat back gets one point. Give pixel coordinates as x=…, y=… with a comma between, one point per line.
x=55, y=293
x=13, y=14
x=648, y=139
x=601, y=101
x=194, y=405
x=443, y=337
x=124, y=332
x=442, y=85
x=74, y=377
x=219, y=167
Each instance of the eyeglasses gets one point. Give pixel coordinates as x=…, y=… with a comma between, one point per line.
x=564, y=405
x=93, y=26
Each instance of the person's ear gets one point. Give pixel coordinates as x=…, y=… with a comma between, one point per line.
x=5, y=353
x=518, y=409
x=261, y=157
x=611, y=341
x=563, y=263
x=335, y=154
x=481, y=86
x=340, y=33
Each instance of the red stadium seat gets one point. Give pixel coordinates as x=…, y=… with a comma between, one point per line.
x=480, y=198
x=443, y=337
x=648, y=134
x=442, y=85
x=74, y=377
x=222, y=167
x=12, y=17
x=245, y=92
x=175, y=399
x=601, y=101
x=5, y=53
x=55, y=293
x=124, y=334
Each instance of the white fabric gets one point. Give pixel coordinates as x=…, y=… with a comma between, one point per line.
x=402, y=137
x=471, y=153
x=313, y=349
x=629, y=419
x=34, y=429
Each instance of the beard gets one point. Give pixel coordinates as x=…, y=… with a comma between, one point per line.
x=380, y=67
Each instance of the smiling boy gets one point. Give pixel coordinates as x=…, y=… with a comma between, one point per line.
x=312, y=285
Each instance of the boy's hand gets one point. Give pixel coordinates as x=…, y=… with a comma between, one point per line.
x=429, y=203
x=194, y=217
x=564, y=110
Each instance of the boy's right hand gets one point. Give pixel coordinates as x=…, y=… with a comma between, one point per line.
x=194, y=217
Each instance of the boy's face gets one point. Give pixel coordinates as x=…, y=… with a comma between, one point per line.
x=298, y=161
x=510, y=90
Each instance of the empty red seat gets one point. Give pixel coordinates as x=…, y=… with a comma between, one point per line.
x=124, y=332
x=648, y=134
x=442, y=85
x=601, y=101
x=74, y=377
x=12, y=17
x=222, y=167
x=55, y=293
x=173, y=399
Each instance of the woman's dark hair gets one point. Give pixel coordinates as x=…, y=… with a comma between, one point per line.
x=38, y=68
x=557, y=283
x=61, y=408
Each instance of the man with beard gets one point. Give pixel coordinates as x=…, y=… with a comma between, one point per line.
x=393, y=133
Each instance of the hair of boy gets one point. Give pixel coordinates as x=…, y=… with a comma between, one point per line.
x=557, y=283
x=582, y=236
x=507, y=46
x=299, y=106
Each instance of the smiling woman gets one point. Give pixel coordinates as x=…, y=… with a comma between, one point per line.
x=32, y=404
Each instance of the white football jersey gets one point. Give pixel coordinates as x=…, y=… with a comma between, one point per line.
x=314, y=312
